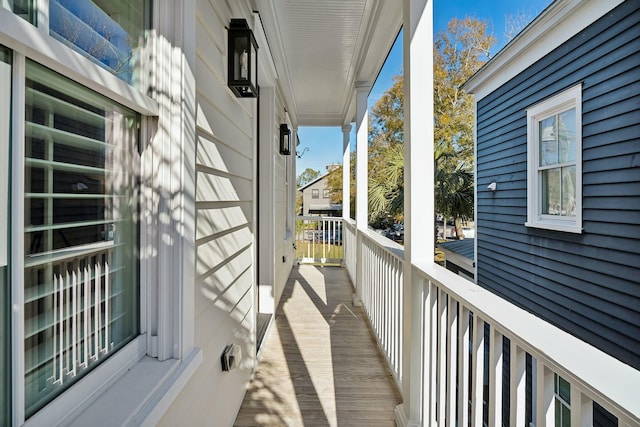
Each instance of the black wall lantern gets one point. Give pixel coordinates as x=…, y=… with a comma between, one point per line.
x=243, y=60
x=285, y=139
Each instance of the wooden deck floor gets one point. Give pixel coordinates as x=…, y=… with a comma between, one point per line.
x=320, y=365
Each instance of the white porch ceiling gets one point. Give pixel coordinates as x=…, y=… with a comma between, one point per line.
x=323, y=48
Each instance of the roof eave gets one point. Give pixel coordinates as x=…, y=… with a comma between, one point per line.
x=556, y=24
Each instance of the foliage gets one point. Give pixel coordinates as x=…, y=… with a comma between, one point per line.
x=306, y=177
x=453, y=190
x=334, y=184
x=458, y=53
x=386, y=156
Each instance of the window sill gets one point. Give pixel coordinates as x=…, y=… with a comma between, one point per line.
x=555, y=227
x=136, y=394
x=143, y=394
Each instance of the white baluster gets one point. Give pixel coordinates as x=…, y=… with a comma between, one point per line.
x=442, y=356
x=517, y=389
x=477, y=361
x=452, y=357
x=106, y=306
x=581, y=408
x=60, y=329
x=54, y=312
x=96, y=311
x=432, y=341
x=545, y=396
x=67, y=322
x=463, y=366
x=495, y=377
x=86, y=313
x=74, y=326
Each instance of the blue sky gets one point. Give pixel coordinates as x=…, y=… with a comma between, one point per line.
x=325, y=144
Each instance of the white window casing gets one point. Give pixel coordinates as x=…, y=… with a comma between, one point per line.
x=109, y=386
x=548, y=111
x=5, y=116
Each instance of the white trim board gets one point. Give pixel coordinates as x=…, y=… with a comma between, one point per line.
x=5, y=114
x=554, y=26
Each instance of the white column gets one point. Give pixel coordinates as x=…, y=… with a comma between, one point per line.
x=418, y=198
x=362, y=180
x=346, y=169
x=362, y=154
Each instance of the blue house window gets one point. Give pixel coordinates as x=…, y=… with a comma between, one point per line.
x=555, y=162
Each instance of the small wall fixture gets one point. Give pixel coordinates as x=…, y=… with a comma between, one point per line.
x=492, y=186
x=285, y=139
x=242, y=63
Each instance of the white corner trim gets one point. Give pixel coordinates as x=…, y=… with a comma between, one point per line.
x=554, y=26
x=5, y=136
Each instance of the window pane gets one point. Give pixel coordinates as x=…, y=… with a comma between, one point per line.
x=569, y=191
x=108, y=32
x=567, y=136
x=566, y=416
x=551, y=192
x=564, y=390
x=548, y=141
x=5, y=333
x=24, y=8
x=81, y=287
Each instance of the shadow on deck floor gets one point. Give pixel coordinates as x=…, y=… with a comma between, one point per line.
x=320, y=365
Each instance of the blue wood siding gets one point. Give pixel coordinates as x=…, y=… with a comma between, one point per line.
x=589, y=283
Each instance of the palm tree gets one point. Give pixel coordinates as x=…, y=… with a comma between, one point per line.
x=386, y=185
x=453, y=190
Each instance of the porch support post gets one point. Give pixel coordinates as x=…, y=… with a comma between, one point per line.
x=362, y=184
x=418, y=208
x=346, y=169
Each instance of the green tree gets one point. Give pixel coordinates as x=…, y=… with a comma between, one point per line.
x=334, y=184
x=386, y=157
x=306, y=177
x=459, y=52
x=453, y=191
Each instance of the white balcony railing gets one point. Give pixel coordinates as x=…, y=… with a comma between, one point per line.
x=319, y=240
x=349, y=242
x=448, y=318
x=382, y=298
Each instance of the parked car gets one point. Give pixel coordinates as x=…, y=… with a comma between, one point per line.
x=333, y=237
x=395, y=232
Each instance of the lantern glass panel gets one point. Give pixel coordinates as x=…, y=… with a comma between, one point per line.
x=253, y=63
x=241, y=58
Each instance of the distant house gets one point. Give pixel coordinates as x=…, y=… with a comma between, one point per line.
x=316, y=199
x=558, y=128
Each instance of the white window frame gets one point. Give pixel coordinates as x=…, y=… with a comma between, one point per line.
x=132, y=372
x=566, y=100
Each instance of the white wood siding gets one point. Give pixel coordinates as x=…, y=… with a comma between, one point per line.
x=224, y=273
